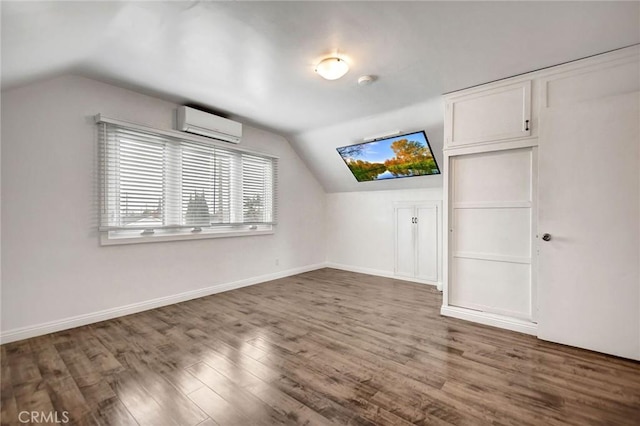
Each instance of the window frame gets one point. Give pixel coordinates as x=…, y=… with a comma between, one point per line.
x=182, y=233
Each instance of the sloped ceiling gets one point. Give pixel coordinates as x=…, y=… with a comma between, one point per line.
x=254, y=60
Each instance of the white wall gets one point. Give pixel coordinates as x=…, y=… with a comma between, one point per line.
x=318, y=147
x=360, y=228
x=360, y=219
x=52, y=265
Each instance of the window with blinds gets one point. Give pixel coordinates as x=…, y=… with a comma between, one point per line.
x=158, y=183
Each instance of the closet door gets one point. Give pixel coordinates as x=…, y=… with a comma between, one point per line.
x=490, y=239
x=589, y=207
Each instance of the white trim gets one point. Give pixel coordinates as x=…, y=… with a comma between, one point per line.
x=107, y=240
x=492, y=205
x=493, y=320
x=448, y=170
x=491, y=257
x=533, y=301
x=492, y=310
x=490, y=146
x=378, y=273
x=90, y=318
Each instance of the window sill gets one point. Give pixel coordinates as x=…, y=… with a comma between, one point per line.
x=119, y=238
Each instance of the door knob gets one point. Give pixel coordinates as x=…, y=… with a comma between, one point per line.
x=546, y=237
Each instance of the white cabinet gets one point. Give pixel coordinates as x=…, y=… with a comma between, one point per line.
x=417, y=241
x=490, y=196
x=488, y=114
x=543, y=228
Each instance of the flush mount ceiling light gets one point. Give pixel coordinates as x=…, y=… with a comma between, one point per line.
x=332, y=68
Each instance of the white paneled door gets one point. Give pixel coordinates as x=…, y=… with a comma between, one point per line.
x=589, y=207
x=491, y=226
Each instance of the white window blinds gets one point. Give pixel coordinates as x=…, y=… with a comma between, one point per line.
x=152, y=181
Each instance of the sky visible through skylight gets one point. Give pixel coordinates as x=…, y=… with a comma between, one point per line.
x=379, y=151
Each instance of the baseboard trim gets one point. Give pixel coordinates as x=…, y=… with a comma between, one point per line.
x=493, y=320
x=377, y=272
x=85, y=319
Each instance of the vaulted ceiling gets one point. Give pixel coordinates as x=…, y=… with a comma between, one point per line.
x=255, y=60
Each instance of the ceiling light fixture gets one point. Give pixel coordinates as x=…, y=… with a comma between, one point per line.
x=332, y=68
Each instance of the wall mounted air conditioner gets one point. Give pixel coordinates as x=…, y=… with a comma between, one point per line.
x=202, y=123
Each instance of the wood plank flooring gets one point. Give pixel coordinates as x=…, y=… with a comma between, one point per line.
x=324, y=347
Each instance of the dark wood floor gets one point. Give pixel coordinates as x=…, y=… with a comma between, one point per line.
x=323, y=347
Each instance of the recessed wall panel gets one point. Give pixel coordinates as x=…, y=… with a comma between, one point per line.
x=500, y=232
x=492, y=177
x=494, y=287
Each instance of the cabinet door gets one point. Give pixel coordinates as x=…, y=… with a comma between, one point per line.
x=405, y=246
x=589, y=205
x=427, y=243
x=489, y=115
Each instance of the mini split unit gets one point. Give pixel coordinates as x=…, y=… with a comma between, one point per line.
x=202, y=123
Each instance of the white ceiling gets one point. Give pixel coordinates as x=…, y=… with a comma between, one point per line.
x=255, y=60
